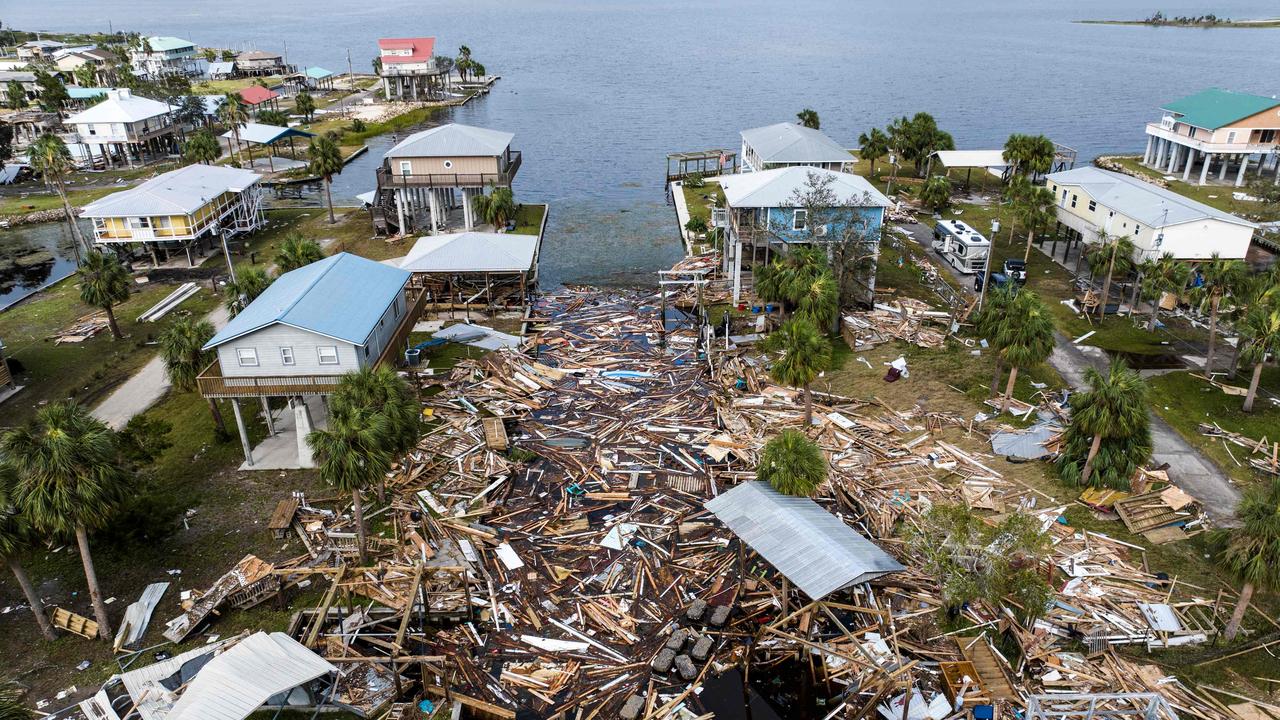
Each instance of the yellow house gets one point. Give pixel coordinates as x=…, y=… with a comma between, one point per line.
x=182, y=209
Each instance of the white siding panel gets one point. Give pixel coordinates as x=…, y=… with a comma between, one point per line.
x=268, y=342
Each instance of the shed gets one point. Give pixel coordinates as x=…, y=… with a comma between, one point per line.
x=222, y=69
x=812, y=548
x=485, y=263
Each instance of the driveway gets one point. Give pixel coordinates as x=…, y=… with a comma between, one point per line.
x=1188, y=467
x=145, y=388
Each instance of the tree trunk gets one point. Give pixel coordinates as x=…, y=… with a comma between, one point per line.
x=1106, y=288
x=1026, y=256
x=1237, y=615
x=873, y=168
x=329, y=199
x=91, y=577
x=1008, y=389
x=111, y=321
x=1133, y=297
x=1253, y=387
x=216, y=412
x=1155, y=312
x=808, y=407
x=76, y=235
x=995, y=379
x=1235, y=357
x=1087, y=473
x=29, y=590
x=1213, y=332
x=358, y=510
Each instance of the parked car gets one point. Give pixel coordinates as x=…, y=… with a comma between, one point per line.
x=1012, y=272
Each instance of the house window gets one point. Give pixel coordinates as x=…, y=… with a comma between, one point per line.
x=1092, y=206
x=1137, y=229
x=406, y=167
x=286, y=356
x=1231, y=137
x=1073, y=199
x=247, y=357
x=140, y=223
x=327, y=354
x=800, y=220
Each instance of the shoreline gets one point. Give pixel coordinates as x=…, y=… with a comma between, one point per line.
x=1229, y=24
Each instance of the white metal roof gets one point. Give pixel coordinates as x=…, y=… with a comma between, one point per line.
x=972, y=158
x=121, y=106
x=143, y=684
x=263, y=134
x=177, y=192
x=238, y=681
x=778, y=187
x=472, y=252
x=1149, y=204
x=453, y=140
x=814, y=549
x=791, y=143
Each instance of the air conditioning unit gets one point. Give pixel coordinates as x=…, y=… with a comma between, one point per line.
x=821, y=230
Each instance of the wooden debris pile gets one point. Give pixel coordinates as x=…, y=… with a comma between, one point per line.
x=1263, y=455
x=907, y=319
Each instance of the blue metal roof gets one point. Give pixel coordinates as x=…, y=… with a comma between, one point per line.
x=342, y=296
x=318, y=73
x=83, y=93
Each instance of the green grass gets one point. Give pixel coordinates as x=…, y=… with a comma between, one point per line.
x=1185, y=401
x=529, y=219
x=85, y=371
x=44, y=200
x=414, y=117
x=222, y=87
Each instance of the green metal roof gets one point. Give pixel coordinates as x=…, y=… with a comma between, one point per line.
x=1213, y=108
x=168, y=43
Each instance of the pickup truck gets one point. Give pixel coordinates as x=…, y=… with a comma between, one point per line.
x=1012, y=271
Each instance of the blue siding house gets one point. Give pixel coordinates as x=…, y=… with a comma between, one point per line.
x=766, y=211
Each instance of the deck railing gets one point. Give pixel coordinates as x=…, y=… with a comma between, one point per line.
x=388, y=179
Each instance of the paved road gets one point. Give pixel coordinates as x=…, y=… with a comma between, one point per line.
x=145, y=388
x=1188, y=467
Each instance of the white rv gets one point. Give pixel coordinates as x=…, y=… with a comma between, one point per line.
x=962, y=246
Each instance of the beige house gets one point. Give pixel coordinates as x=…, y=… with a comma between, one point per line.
x=1216, y=129
x=1091, y=201
x=70, y=62
x=440, y=170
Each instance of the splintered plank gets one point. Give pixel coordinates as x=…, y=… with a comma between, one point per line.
x=495, y=434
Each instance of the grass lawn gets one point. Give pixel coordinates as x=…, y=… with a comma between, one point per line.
x=46, y=200
x=529, y=219
x=85, y=371
x=1218, y=196
x=222, y=87
x=1185, y=401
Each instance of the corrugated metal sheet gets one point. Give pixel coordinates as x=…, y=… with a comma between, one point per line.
x=240, y=680
x=1149, y=204
x=263, y=134
x=177, y=192
x=791, y=143
x=471, y=252
x=121, y=106
x=342, y=296
x=453, y=140
x=814, y=549
x=777, y=188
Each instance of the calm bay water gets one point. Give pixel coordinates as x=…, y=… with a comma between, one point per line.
x=599, y=91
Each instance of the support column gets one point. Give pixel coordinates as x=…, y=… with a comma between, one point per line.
x=244, y=434
x=1222, y=171
x=1146, y=156
x=466, y=208
x=1161, y=146
x=737, y=272
x=1191, y=160
x=1174, y=148
x=1204, y=170
x=1244, y=165
x=434, y=204
x=266, y=414
x=400, y=209
x=302, y=422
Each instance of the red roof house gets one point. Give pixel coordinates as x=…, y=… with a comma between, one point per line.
x=400, y=51
x=256, y=95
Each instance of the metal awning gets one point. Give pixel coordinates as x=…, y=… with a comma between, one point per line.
x=814, y=549
x=261, y=134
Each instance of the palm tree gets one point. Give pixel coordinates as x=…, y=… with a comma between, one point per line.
x=819, y=301
x=11, y=707
x=805, y=355
x=202, y=147
x=1017, y=188
x=1118, y=252
x=1034, y=210
x=808, y=117
x=987, y=322
x=1024, y=337
x=496, y=208
x=297, y=251
x=1261, y=337
x=326, y=161
x=463, y=62
x=182, y=351
x=104, y=283
x=874, y=145
x=351, y=457
x=51, y=160
x=69, y=480
x=233, y=114
x=1168, y=275
x=1221, y=278
x=1015, y=151
x=15, y=534
x=792, y=463
x=15, y=95
x=383, y=391
x=305, y=105
x=936, y=193
x=247, y=286
x=1113, y=411
x=1252, y=551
